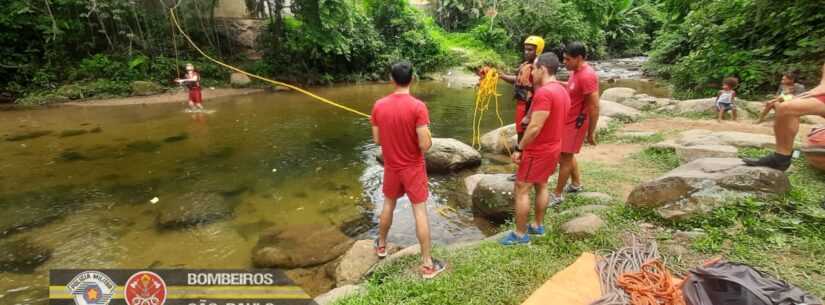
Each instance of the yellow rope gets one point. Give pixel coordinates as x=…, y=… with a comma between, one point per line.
x=310, y=94
x=485, y=95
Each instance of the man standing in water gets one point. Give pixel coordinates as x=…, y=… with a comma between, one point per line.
x=582, y=118
x=193, y=84
x=523, y=82
x=400, y=126
x=537, y=154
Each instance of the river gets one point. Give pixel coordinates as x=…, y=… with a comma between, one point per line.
x=77, y=184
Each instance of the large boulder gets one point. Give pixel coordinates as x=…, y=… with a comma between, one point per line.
x=618, y=94
x=585, y=225
x=297, y=248
x=144, y=88
x=618, y=111
x=493, y=196
x=702, y=185
x=451, y=155
x=471, y=182
x=604, y=123
x=446, y=156
x=21, y=255
x=641, y=102
x=192, y=209
x=500, y=141
x=356, y=262
x=690, y=153
x=239, y=79
x=695, y=106
x=72, y=91
x=696, y=137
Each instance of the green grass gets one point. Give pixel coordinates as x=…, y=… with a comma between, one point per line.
x=784, y=236
x=468, y=51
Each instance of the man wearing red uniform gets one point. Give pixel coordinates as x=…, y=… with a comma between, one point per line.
x=538, y=152
x=582, y=119
x=193, y=83
x=400, y=125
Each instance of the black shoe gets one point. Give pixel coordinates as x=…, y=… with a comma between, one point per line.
x=775, y=161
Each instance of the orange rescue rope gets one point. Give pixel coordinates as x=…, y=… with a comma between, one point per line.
x=653, y=285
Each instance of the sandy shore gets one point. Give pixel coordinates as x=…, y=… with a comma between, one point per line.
x=170, y=97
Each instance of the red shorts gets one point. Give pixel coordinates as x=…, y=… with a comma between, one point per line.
x=411, y=181
x=535, y=168
x=195, y=95
x=572, y=138
x=521, y=111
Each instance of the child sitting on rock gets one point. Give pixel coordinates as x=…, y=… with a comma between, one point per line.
x=726, y=99
x=788, y=88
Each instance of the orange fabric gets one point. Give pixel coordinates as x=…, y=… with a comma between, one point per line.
x=653, y=285
x=578, y=284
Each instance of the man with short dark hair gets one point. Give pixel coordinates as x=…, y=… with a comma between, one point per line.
x=582, y=118
x=786, y=125
x=400, y=126
x=537, y=154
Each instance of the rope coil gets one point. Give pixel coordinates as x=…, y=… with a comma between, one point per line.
x=486, y=95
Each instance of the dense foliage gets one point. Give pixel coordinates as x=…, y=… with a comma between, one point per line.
x=755, y=40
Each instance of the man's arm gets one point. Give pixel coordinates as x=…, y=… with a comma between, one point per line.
x=375, y=135
x=507, y=78
x=592, y=102
x=425, y=140
x=537, y=120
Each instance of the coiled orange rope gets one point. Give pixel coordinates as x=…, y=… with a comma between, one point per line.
x=653, y=285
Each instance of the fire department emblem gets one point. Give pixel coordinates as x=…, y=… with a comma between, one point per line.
x=145, y=288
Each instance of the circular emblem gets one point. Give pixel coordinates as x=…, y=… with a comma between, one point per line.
x=145, y=288
x=91, y=288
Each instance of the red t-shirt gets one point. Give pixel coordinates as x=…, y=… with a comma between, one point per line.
x=397, y=116
x=554, y=98
x=581, y=83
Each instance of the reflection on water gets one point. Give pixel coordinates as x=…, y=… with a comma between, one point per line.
x=78, y=182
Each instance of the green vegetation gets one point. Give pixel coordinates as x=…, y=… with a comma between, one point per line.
x=704, y=41
x=783, y=236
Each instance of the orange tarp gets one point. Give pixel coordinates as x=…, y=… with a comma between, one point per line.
x=578, y=284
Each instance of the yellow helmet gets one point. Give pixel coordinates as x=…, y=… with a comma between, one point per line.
x=536, y=41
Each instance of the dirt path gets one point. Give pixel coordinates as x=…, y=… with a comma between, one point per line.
x=174, y=97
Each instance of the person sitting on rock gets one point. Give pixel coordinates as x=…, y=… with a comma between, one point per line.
x=193, y=84
x=786, y=125
x=537, y=154
x=788, y=88
x=400, y=126
x=726, y=99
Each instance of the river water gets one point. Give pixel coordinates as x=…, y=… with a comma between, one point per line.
x=76, y=184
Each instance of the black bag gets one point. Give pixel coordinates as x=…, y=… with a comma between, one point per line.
x=724, y=283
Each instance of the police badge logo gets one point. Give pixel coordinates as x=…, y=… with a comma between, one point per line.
x=91, y=288
x=145, y=288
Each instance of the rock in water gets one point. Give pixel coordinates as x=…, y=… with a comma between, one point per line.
x=21, y=255
x=297, y=248
x=584, y=225
x=618, y=94
x=143, y=88
x=500, y=141
x=493, y=196
x=451, y=155
x=471, y=182
x=618, y=111
x=357, y=261
x=446, y=156
x=239, y=79
x=192, y=209
x=690, y=153
x=702, y=185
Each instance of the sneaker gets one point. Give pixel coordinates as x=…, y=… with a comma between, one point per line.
x=380, y=251
x=572, y=188
x=535, y=230
x=513, y=239
x=555, y=200
x=429, y=272
x=775, y=161
x=512, y=178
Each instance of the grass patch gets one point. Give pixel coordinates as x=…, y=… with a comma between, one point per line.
x=467, y=50
x=663, y=159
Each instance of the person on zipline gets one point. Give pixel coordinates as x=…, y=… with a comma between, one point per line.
x=537, y=154
x=581, y=121
x=193, y=84
x=400, y=125
x=523, y=80
x=786, y=125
